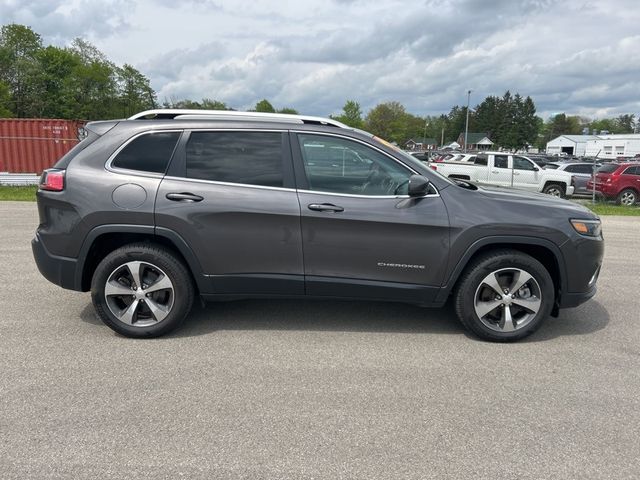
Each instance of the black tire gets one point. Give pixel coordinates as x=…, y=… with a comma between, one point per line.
x=628, y=197
x=160, y=272
x=555, y=189
x=504, y=265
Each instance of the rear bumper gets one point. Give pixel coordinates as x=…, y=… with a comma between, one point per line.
x=58, y=270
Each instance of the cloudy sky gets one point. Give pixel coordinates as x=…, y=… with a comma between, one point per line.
x=573, y=56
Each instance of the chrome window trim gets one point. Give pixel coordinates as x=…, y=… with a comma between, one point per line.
x=141, y=173
x=283, y=189
x=353, y=195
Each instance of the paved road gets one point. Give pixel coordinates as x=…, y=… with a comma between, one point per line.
x=326, y=390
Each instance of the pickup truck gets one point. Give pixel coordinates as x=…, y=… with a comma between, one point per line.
x=506, y=170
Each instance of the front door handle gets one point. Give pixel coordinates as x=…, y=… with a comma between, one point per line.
x=325, y=207
x=184, y=197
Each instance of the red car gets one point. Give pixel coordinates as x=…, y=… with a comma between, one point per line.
x=619, y=181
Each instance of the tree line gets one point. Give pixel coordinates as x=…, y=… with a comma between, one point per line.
x=80, y=82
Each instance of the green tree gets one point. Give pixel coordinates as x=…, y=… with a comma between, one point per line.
x=94, y=83
x=135, y=92
x=54, y=82
x=625, y=123
x=510, y=121
x=210, y=104
x=264, y=106
x=386, y=120
x=19, y=46
x=351, y=114
x=289, y=110
x=456, y=122
x=5, y=101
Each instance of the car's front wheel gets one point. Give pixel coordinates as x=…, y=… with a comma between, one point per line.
x=504, y=296
x=142, y=290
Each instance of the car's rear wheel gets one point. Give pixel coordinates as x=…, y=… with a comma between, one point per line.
x=627, y=197
x=142, y=290
x=504, y=296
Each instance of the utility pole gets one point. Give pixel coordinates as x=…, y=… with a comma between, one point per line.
x=466, y=126
x=442, y=138
x=424, y=138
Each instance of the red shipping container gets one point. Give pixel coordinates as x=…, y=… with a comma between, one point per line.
x=29, y=145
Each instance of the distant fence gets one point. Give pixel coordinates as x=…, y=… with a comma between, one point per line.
x=18, y=179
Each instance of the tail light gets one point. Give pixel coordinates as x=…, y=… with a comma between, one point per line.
x=52, y=180
x=434, y=167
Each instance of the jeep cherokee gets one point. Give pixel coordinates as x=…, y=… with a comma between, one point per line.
x=151, y=212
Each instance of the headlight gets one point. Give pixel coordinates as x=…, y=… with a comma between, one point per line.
x=589, y=228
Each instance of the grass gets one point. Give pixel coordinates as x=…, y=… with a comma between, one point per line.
x=23, y=194
x=610, y=209
x=28, y=194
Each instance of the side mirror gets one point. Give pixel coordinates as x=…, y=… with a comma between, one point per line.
x=418, y=186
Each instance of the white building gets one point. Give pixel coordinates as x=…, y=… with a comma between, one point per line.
x=613, y=146
x=575, y=145
x=602, y=146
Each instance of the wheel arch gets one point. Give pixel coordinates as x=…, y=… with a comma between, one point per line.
x=541, y=249
x=105, y=238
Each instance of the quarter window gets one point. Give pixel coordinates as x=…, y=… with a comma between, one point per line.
x=253, y=158
x=150, y=152
x=338, y=165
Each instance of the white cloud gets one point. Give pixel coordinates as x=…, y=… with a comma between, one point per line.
x=576, y=56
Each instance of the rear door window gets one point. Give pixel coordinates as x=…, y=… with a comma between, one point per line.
x=252, y=158
x=501, y=161
x=150, y=152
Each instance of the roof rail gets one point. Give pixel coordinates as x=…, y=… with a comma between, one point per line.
x=185, y=114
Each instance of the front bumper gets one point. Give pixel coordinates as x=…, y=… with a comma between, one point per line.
x=58, y=270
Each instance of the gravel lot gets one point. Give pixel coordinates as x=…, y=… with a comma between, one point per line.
x=335, y=390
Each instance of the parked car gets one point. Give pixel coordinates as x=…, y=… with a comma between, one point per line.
x=581, y=173
x=463, y=157
x=422, y=156
x=151, y=212
x=506, y=170
x=619, y=181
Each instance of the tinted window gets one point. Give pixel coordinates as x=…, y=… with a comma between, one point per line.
x=608, y=168
x=481, y=161
x=579, y=169
x=150, y=152
x=253, y=158
x=501, y=161
x=632, y=171
x=520, y=163
x=341, y=166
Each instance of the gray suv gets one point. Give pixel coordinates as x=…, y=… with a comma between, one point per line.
x=151, y=212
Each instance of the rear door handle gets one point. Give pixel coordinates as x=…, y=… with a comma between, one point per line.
x=184, y=197
x=325, y=207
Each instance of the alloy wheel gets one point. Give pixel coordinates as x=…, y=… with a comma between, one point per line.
x=507, y=300
x=139, y=294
